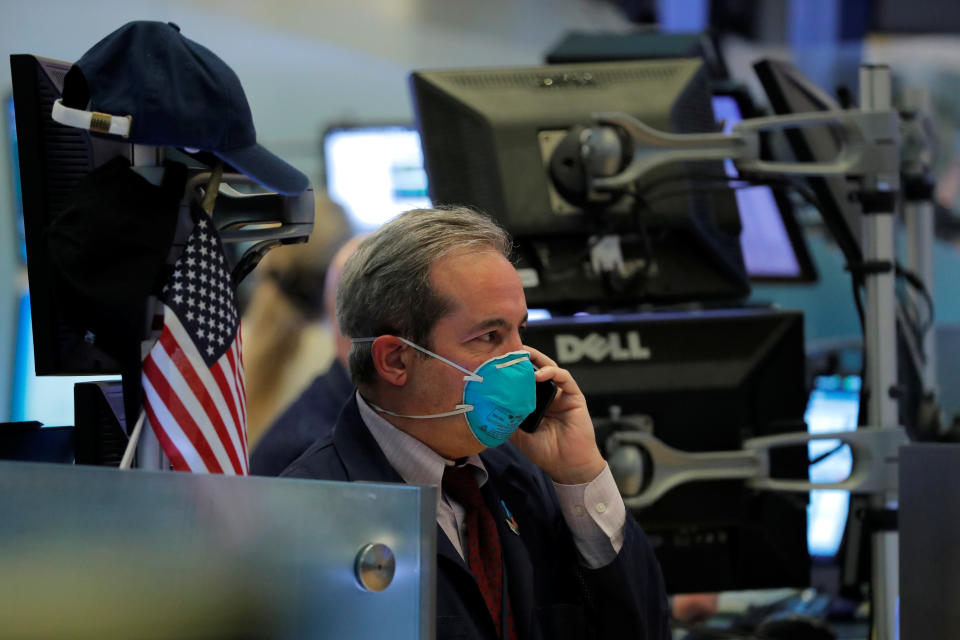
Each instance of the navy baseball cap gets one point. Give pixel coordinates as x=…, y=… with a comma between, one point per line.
x=149, y=84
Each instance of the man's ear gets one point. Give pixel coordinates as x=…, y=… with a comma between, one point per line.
x=389, y=357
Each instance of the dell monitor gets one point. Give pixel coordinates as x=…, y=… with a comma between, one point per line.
x=701, y=382
x=490, y=139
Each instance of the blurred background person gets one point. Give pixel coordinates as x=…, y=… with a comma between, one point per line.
x=315, y=412
x=287, y=339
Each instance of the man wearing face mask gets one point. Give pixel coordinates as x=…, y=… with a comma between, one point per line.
x=534, y=539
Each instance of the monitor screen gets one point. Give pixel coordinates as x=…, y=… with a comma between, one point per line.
x=772, y=250
x=833, y=406
x=374, y=172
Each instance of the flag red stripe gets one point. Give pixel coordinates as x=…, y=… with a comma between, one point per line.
x=228, y=395
x=181, y=415
x=241, y=382
x=239, y=359
x=236, y=377
x=182, y=362
x=177, y=460
x=218, y=373
x=238, y=382
x=241, y=386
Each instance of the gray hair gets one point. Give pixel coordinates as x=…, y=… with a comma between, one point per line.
x=385, y=286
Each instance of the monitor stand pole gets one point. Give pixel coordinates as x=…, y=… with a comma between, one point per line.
x=918, y=213
x=881, y=350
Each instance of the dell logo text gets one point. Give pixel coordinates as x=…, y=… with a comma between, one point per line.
x=614, y=346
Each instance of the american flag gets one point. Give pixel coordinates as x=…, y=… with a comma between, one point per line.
x=193, y=391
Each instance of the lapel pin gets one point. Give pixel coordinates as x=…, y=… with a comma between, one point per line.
x=511, y=521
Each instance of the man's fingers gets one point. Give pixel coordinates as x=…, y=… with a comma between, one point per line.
x=561, y=377
x=539, y=359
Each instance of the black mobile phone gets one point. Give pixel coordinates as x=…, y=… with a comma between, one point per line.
x=546, y=392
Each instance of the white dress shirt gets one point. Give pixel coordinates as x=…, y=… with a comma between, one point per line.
x=594, y=511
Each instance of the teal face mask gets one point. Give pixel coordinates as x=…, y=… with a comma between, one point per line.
x=497, y=397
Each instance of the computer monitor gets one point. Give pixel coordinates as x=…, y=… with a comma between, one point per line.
x=374, y=172
x=43, y=398
x=833, y=406
x=701, y=382
x=52, y=160
x=489, y=137
x=774, y=249
x=789, y=92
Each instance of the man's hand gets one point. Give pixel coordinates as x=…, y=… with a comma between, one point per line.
x=564, y=445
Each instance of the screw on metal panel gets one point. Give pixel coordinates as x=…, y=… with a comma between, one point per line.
x=375, y=566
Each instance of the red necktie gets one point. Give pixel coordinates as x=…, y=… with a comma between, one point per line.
x=482, y=550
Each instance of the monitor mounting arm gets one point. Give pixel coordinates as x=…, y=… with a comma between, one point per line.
x=645, y=468
x=868, y=139
x=619, y=150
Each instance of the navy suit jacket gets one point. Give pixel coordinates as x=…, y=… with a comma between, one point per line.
x=552, y=594
x=311, y=416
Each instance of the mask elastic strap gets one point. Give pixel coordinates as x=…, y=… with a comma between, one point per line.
x=461, y=408
x=470, y=377
x=523, y=356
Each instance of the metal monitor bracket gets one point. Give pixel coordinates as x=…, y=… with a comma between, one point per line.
x=870, y=152
x=259, y=218
x=868, y=146
x=874, y=453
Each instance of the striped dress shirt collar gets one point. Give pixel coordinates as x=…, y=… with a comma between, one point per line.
x=416, y=463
